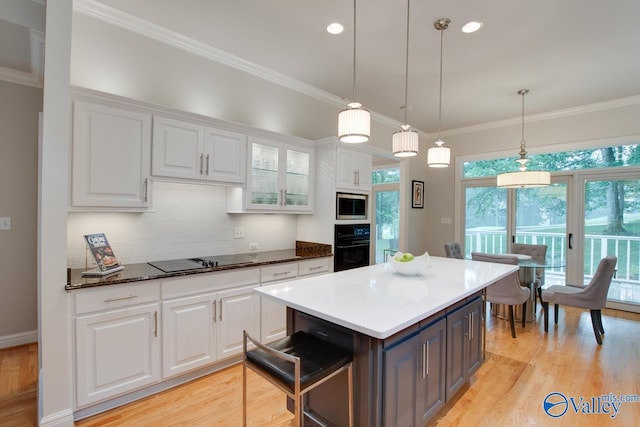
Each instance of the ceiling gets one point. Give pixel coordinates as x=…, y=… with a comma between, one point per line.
x=569, y=53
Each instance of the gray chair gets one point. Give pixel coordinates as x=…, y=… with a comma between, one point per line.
x=452, y=250
x=592, y=297
x=296, y=364
x=539, y=254
x=506, y=290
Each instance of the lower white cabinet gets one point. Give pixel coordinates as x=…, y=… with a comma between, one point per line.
x=202, y=329
x=116, y=351
x=273, y=316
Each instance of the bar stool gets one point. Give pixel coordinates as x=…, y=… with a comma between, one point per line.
x=296, y=364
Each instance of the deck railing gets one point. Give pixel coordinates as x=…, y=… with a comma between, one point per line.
x=626, y=248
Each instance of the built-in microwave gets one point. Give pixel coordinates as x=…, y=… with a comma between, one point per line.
x=351, y=206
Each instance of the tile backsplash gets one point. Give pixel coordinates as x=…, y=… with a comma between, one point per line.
x=187, y=220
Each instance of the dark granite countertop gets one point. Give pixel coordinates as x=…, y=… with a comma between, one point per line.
x=143, y=271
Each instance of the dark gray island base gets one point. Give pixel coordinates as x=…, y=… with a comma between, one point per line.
x=402, y=380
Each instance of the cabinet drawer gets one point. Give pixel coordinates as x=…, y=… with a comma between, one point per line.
x=199, y=283
x=116, y=296
x=274, y=272
x=314, y=266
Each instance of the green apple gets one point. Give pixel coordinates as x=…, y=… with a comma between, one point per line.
x=406, y=257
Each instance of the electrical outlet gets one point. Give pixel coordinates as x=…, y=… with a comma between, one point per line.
x=238, y=232
x=253, y=246
x=5, y=223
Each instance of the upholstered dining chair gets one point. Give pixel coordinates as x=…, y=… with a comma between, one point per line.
x=506, y=290
x=539, y=254
x=452, y=250
x=592, y=296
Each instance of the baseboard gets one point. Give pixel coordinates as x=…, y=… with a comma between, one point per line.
x=18, y=339
x=59, y=419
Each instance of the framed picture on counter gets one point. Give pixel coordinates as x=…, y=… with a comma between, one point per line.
x=417, y=198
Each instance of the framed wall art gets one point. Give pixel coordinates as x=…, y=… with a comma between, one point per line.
x=417, y=198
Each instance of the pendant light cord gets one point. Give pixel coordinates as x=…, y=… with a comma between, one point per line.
x=353, y=99
x=440, y=96
x=406, y=70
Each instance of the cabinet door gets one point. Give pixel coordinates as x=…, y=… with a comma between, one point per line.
x=177, y=149
x=238, y=309
x=474, y=344
x=188, y=333
x=225, y=156
x=273, y=320
x=298, y=185
x=457, y=332
x=263, y=187
x=111, y=154
x=430, y=394
x=353, y=170
x=400, y=377
x=116, y=352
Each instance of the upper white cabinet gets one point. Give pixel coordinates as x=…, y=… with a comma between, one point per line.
x=353, y=170
x=111, y=157
x=191, y=151
x=279, y=179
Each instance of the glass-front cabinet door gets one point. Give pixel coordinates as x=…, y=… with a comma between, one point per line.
x=280, y=177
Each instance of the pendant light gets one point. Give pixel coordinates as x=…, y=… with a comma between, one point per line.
x=405, y=141
x=523, y=178
x=439, y=156
x=354, y=122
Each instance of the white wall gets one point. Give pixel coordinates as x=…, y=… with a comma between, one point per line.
x=587, y=127
x=19, y=109
x=188, y=220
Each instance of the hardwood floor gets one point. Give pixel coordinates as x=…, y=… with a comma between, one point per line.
x=508, y=390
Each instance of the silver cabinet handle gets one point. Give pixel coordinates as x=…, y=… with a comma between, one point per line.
x=358, y=178
x=281, y=273
x=215, y=311
x=201, y=160
x=425, y=365
x=207, y=164
x=155, y=322
x=284, y=197
x=146, y=189
x=221, y=309
x=316, y=267
x=470, y=326
x=121, y=298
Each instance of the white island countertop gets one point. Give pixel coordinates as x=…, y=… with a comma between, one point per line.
x=379, y=302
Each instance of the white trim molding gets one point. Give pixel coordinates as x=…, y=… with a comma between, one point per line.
x=18, y=339
x=127, y=21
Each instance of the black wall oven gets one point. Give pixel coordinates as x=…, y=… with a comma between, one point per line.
x=351, y=248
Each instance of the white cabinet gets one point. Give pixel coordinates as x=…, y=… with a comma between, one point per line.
x=273, y=316
x=238, y=309
x=199, y=330
x=111, y=157
x=118, y=347
x=191, y=151
x=279, y=178
x=353, y=170
x=188, y=333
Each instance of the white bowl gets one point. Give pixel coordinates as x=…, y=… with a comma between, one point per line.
x=410, y=268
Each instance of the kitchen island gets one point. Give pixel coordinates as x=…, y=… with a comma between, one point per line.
x=416, y=340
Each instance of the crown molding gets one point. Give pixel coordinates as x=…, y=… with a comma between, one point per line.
x=565, y=112
x=130, y=22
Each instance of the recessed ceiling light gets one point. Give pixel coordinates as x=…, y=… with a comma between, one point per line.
x=472, y=26
x=335, y=28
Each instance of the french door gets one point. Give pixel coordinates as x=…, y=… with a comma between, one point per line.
x=581, y=217
x=611, y=226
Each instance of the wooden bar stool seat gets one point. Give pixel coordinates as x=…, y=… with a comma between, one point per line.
x=296, y=364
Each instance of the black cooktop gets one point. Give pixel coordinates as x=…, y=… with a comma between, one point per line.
x=189, y=264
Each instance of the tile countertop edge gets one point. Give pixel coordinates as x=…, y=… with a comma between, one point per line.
x=141, y=272
x=306, y=294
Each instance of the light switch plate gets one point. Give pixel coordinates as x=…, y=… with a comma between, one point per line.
x=445, y=220
x=238, y=232
x=253, y=246
x=5, y=223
